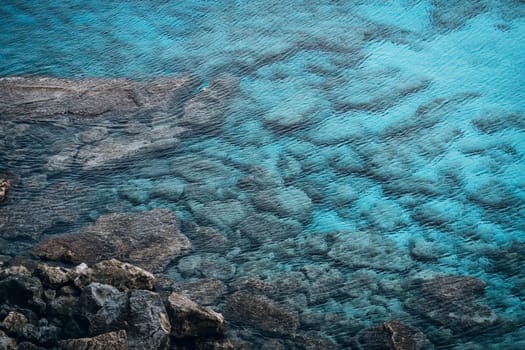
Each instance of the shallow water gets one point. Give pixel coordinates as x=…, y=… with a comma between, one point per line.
x=371, y=142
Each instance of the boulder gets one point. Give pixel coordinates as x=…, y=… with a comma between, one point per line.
x=32, y=97
x=189, y=319
x=262, y=313
x=16, y=324
x=393, y=335
x=149, y=325
x=104, y=307
x=122, y=275
x=22, y=291
x=112, y=340
x=150, y=240
x=52, y=276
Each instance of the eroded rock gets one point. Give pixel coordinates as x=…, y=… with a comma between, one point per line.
x=150, y=240
x=112, y=340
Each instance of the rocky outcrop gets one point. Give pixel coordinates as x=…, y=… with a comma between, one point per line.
x=451, y=302
x=44, y=96
x=56, y=307
x=150, y=240
x=393, y=335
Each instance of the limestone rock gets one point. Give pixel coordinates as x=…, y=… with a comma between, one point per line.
x=262, y=313
x=44, y=96
x=393, y=335
x=51, y=276
x=122, y=275
x=15, y=324
x=107, y=341
x=188, y=319
x=150, y=240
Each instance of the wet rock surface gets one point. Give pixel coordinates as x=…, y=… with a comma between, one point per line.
x=393, y=335
x=44, y=96
x=75, y=311
x=150, y=240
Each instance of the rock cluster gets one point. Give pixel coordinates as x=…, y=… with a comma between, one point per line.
x=111, y=305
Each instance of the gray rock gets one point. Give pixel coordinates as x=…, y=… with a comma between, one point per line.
x=150, y=240
x=451, y=302
x=112, y=340
x=7, y=343
x=149, y=325
x=221, y=214
x=189, y=319
x=260, y=228
x=22, y=291
x=205, y=292
x=43, y=96
x=262, y=313
x=122, y=275
x=287, y=202
x=93, y=134
x=207, y=109
x=393, y=335
x=207, y=239
x=104, y=307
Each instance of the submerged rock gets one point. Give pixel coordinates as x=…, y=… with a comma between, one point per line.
x=393, y=335
x=43, y=96
x=287, y=202
x=451, y=302
x=150, y=240
x=262, y=313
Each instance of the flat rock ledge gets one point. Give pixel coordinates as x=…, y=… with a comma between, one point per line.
x=150, y=240
x=110, y=305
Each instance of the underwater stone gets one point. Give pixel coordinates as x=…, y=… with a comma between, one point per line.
x=150, y=240
x=221, y=214
x=448, y=15
x=450, y=301
x=204, y=291
x=207, y=109
x=287, y=202
x=262, y=313
x=266, y=227
x=208, y=239
x=393, y=335
x=45, y=96
x=93, y=134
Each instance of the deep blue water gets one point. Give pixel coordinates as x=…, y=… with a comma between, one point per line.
x=401, y=122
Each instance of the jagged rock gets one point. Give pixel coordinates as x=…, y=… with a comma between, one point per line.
x=4, y=186
x=112, y=340
x=15, y=324
x=150, y=240
x=392, y=335
x=104, y=307
x=188, y=319
x=450, y=301
x=22, y=291
x=262, y=313
x=14, y=270
x=51, y=276
x=44, y=96
x=122, y=275
x=6, y=342
x=149, y=325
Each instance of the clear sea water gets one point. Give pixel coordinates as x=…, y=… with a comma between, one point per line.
x=406, y=131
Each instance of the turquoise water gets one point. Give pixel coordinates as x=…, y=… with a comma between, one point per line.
x=377, y=141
